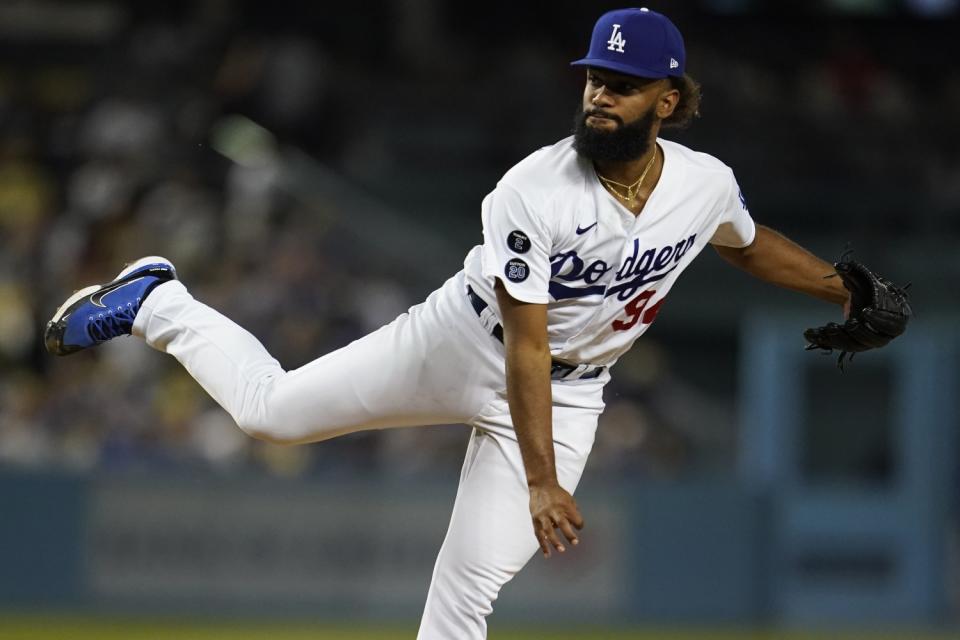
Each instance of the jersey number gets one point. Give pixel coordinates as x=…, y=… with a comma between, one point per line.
x=637, y=309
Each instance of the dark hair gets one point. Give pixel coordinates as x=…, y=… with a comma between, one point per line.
x=688, y=107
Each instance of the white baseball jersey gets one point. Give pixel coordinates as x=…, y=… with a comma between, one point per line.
x=553, y=234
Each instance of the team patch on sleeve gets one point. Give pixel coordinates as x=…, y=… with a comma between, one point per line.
x=516, y=270
x=518, y=241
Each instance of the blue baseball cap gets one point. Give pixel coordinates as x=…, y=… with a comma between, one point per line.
x=638, y=42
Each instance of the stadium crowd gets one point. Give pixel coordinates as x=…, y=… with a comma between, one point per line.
x=106, y=154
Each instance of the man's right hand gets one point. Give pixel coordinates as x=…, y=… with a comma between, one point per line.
x=552, y=508
x=530, y=397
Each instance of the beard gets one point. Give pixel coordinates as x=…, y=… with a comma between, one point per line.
x=626, y=142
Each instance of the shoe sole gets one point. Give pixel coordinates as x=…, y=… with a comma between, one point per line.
x=53, y=334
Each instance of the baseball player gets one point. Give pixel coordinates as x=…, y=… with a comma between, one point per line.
x=583, y=241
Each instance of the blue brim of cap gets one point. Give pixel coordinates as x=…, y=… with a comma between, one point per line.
x=622, y=68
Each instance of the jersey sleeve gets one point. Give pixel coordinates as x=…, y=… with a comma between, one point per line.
x=516, y=245
x=736, y=228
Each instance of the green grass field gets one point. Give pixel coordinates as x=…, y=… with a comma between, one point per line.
x=38, y=627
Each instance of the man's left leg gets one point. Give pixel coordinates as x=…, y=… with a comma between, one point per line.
x=490, y=537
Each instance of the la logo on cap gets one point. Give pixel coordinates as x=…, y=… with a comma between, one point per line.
x=616, y=41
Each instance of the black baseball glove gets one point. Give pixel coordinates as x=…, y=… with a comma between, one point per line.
x=879, y=312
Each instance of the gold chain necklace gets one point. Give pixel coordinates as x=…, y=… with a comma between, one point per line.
x=632, y=189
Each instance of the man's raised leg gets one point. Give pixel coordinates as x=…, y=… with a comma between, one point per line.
x=420, y=369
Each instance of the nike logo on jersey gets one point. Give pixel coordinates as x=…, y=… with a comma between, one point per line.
x=580, y=231
x=638, y=269
x=97, y=298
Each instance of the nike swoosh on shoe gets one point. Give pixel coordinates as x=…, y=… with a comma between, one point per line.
x=97, y=298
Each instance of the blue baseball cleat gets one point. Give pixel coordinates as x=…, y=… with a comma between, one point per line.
x=99, y=313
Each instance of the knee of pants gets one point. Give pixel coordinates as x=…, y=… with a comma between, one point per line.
x=261, y=418
x=267, y=433
x=257, y=426
x=466, y=590
x=461, y=602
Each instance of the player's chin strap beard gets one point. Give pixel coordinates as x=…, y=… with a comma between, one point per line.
x=633, y=190
x=625, y=143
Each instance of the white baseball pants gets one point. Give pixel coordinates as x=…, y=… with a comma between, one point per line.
x=433, y=365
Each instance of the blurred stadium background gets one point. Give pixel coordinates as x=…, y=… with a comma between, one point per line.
x=312, y=170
